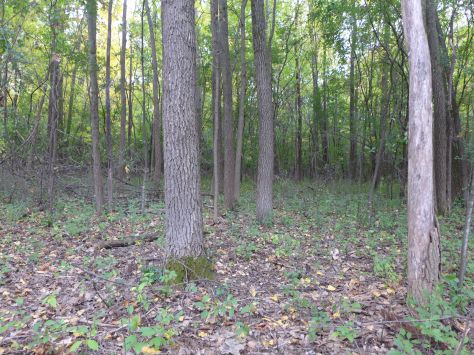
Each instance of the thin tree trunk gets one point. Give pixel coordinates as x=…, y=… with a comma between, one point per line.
x=216, y=147
x=228, y=134
x=299, y=116
x=352, y=105
x=71, y=104
x=467, y=231
x=156, y=100
x=423, y=232
x=263, y=81
x=123, y=94
x=243, y=86
x=144, y=134
x=130, y=103
x=108, y=126
x=91, y=7
x=182, y=176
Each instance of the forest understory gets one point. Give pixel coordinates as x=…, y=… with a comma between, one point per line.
x=320, y=278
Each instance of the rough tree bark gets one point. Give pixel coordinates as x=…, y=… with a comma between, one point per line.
x=181, y=142
x=440, y=108
x=91, y=7
x=227, y=126
x=123, y=93
x=156, y=100
x=423, y=235
x=108, y=125
x=263, y=80
x=243, y=86
x=299, y=117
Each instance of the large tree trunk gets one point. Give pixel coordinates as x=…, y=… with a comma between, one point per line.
x=243, y=85
x=108, y=125
x=352, y=105
x=423, y=233
x=181, y=142
x=229, y=154
x=123, y=93
x=440, y=108
x=263, y=80
x=156, y=100
x=91, y=7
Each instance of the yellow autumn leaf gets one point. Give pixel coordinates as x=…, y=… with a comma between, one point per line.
x=319, y=273
x=202, y=334
x=268, y=342
x=148, y=350
x=376, y=293
x=275, y=297
x=181, y=318
x=331, y=288
x=336, y=314
x=253, y=292
x=306, y=281
x=390, y=291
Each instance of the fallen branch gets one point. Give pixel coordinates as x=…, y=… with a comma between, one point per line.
x=128, y=241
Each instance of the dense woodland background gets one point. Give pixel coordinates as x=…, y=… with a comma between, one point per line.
x=279, y=130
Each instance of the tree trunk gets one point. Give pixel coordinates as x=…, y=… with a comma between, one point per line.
x=243, y=85
x=91, y=7
x=352, y=105
x=263, y=81
x=216, y=148
x=229, y=154
x=130, y=103
x=439, y=107
x=156, y=100
x=108, y=126
x=53, y=117
x=299, y=116
x=423, y=233
x=467, y=231
x=71, y=104
x=144, y=133
x=123, y=93
x=182, y=174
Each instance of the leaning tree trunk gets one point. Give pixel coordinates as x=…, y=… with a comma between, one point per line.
x=108, y=125
x=156, y=100
x=181, y=142
x=243, y=85
x=228, y=125
x=423, y=234
x=123, y=94
x=91, y=7
x=263, y=81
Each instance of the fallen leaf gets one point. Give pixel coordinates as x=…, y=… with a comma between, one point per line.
x=331, y=288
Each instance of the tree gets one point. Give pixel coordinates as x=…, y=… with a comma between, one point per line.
x=108, y=125
x=243, y=85
x=263, y=81
x=353, y=102
x=91, y=8
x=227, y=126
x=123, y=93
x=156, y=99
x=181, y=143
x=423, y=235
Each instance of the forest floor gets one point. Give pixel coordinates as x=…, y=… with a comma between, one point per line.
x=319, y=279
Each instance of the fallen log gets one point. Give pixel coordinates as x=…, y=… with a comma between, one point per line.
x=119, y=243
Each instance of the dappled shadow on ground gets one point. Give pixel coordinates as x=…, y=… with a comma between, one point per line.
x=319, y=279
